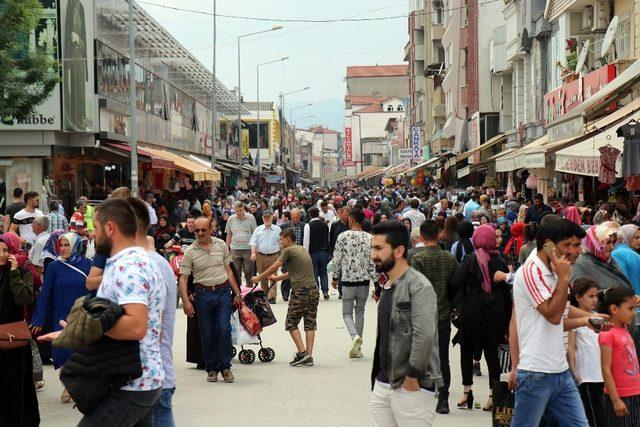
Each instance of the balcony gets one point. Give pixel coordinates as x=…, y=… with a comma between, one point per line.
x=418, y=54
x=437, y=32
x=439, y=144
x=437, y=100
x=498, y=50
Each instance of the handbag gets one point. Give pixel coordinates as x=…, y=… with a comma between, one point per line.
x=14, y=335
x=248, y=319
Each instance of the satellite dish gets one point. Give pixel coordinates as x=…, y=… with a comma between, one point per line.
x=609, y=37
x=583, y=56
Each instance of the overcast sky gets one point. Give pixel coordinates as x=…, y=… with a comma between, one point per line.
x=319, y=53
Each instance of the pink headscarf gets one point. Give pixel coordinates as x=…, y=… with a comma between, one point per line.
x=485, y=243
x=573, y=214
x=12, y=241
x=596, y=238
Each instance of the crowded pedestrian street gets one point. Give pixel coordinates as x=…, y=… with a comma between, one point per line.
x=335, y=392
x=388, y=213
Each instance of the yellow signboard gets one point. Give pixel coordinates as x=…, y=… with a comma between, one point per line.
x=244, y=142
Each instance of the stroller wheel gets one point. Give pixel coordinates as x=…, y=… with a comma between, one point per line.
x=244, y=357
x=252, y=356
x=272, y=354
x=233, y=351
x=263, y=355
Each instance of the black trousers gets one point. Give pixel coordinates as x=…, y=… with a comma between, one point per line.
x=489, y=331
x=592, y=399
x=124, y=408
x=444, y=338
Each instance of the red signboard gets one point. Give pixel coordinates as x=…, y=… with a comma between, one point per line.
x=561, y=100
x=348, y=148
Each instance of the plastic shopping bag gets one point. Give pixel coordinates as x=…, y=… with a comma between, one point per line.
x=239, y=335
x=503, y=403
x=248, y=319
x=91, y=249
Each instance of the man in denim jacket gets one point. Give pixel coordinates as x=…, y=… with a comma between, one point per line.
x=406, y=365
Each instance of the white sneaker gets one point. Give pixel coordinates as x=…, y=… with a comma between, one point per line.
x=355, y=348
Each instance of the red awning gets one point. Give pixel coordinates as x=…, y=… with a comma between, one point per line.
x=156, y=162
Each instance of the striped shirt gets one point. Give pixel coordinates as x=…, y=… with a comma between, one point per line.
x=542, y=346
x=57, y=222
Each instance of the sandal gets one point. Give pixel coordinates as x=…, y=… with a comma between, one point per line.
x=65, y=397
x=467, y=401
x=489, y=405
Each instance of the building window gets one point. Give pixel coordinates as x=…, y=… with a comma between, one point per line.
x=389, y=107
x=399, y=108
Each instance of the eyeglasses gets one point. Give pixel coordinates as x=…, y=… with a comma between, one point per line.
x=200, y=230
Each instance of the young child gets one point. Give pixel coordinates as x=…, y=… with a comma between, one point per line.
x=584, y=353
x=620, y=368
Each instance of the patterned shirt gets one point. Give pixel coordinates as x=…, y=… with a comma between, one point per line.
x=241, y=231
x=352, y=257
x=57, y=222
x=438, y=266
x=130, y=278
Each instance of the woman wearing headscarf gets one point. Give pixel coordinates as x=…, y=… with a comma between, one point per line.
x=512, y=207
x=64, y=282
x=163, y=233
x=515, y=243
x=18, y=400
x=386, y=209
x=504, y=225
x=627, y=259
x=522, y=212
x=485, y=309
x=572, y=213
x=463, y=246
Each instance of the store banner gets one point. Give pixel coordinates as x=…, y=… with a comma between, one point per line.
x=348, y=148
x=273, y=178
x=415, y=132
x=46, y=116
x=474, y=137
x=78, y=87
x=244, y=143
x=405, y=154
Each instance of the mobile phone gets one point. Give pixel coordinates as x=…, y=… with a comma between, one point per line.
x=596, y=322
x=549, y=248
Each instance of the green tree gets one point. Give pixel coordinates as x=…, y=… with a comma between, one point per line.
x=28, y=75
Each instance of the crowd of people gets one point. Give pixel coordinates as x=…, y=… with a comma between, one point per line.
x=551, y=285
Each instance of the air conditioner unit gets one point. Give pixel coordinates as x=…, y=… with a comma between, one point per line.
x=587, y=18
x=601, y=13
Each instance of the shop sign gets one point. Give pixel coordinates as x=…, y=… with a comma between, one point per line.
x=464, y=171
x=505, y=165
x=565, y=130
x=348, y=148
x=77, y=41
x=46, y=116
x=415, y=131
x=534, y=160
x=474, y=136
x=565, y=98
x=273, y=178
x=405, y=154
x=578, y=165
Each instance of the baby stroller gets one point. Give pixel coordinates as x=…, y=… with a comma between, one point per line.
x=257, y=301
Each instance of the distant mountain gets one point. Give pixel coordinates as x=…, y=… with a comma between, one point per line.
x=328, y=112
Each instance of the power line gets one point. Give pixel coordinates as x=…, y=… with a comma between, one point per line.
x=314, y=21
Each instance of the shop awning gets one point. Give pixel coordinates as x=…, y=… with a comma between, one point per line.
x=199, y=171
x=464, y=171
x=583, y=158
x=207, y=162
x=156, y=161
x=490, y=143
x=371, y=171
x=428, y=163
x=491, y=159
x=290, y=169
x=525, y=157
x=396, y=170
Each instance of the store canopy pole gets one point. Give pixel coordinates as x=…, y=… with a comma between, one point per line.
x=214, y=107
x=132, y=100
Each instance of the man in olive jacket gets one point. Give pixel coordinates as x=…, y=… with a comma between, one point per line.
x=406, y=365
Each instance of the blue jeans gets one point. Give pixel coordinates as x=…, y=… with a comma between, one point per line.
x=214, y=308
x=163, y=413
x=320, y=261
x=539, y=394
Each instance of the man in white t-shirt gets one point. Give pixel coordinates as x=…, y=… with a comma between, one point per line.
x=22, y=221
x=540, y=293
x=416, y=217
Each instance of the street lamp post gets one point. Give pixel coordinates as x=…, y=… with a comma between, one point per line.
x=282, y=118
x=297, y=108
x=239, y=124
x=133, y=124
x=284, y=58
x=214, y=107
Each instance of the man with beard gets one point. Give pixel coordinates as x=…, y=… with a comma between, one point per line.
x=304, y=294
x=406, y=365
x=130, y=281
x=216, y=289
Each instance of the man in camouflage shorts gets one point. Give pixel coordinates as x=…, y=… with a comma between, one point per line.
x=304, y=294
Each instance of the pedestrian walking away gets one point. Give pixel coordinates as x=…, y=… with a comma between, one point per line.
x=316, y=242
x=239, y=229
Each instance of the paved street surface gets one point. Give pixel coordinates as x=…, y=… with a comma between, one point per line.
x=335, y=392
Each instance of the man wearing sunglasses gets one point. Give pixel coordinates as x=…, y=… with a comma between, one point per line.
x=216, y=289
